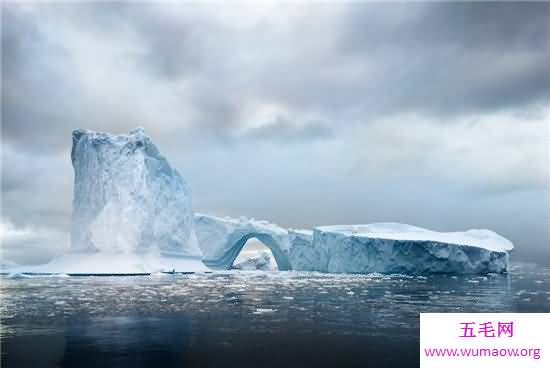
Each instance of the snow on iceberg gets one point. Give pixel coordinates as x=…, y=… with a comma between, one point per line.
x=400, y=248
x=131, y=209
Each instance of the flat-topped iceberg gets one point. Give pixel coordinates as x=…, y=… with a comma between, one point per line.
x=400, y=248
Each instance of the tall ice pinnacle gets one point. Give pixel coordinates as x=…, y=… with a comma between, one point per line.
x=128, y=199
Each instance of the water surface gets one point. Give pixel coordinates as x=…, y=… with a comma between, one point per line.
x=245, y=319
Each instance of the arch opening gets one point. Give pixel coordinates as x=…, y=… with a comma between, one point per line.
x=280, y=257
x=228, y=246
x=255, y=256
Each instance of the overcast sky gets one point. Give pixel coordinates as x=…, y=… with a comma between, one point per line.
x=437, y=115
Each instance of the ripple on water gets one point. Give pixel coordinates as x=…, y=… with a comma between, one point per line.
x=335, y=303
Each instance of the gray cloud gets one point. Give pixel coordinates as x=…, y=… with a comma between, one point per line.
x=31, y=245
x=432, y=114
x=284, y=131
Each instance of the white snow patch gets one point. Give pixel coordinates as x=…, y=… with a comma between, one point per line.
x=395, y=231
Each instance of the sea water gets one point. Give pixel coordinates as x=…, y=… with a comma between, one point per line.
x=244, y=319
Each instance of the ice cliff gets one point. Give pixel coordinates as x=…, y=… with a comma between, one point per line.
x=127, y=198
x=131, y=210
x=400, y=248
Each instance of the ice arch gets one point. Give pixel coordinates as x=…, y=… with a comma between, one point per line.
x=222, y=238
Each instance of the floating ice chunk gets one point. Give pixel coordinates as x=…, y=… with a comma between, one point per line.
x=264, y=310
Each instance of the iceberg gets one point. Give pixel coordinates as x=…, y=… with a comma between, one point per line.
x=131, y=210
x=127, y=198
x=132, y=213
x=406, y=249
x=379, y=247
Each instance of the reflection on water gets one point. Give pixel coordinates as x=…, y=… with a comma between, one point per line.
x=125, y=341
x=244, y=318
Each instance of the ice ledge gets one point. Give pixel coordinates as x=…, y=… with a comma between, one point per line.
x=406, y=249
x=480, y=238
x=115, y=263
